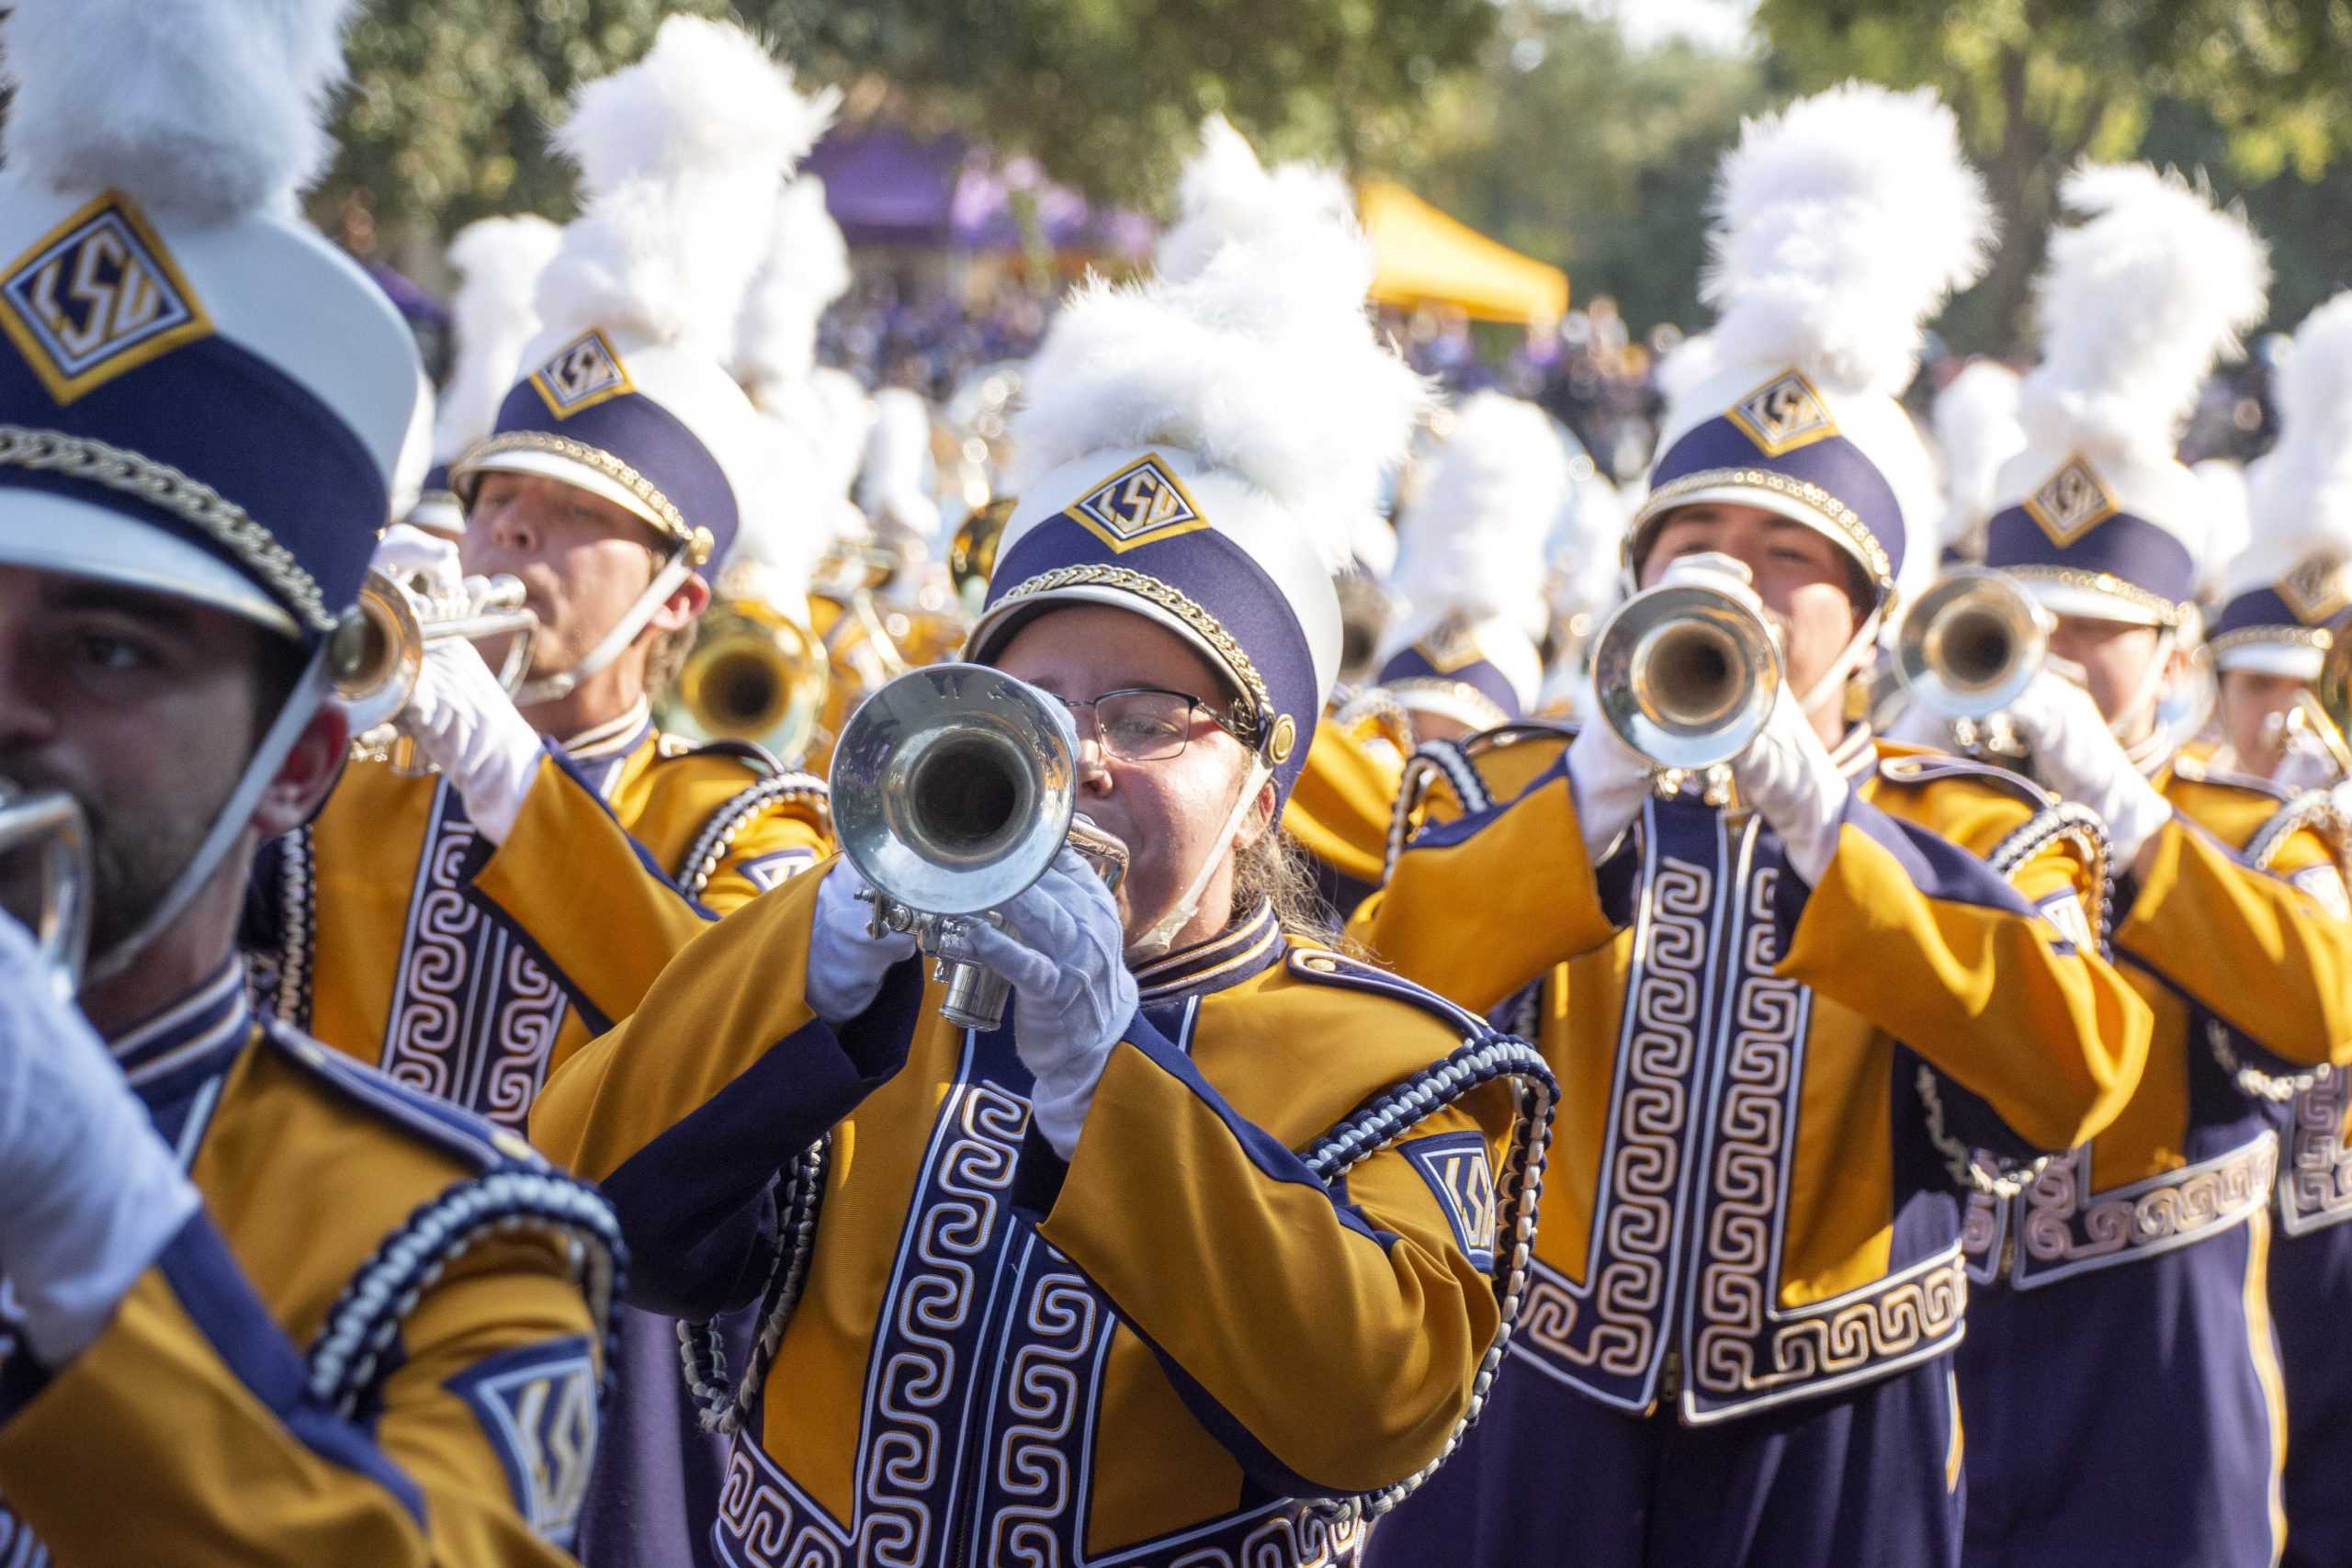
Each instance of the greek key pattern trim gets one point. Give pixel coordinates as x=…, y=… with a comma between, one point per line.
x=2064, y=1227
x=2315, y=1189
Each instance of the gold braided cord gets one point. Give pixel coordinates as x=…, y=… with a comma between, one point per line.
x=1816, y=503
x=2168, y=612
x=2280, y=635
x=168, y=490
x=596, y=460
x=1176, y=603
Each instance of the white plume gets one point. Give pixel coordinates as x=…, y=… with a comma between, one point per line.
x=1842, y=223
x=2302, y=493
x=896, y=484
x=682, y=156
x=1977, y=426
x=196, y=109
x=2137, y=302
x=2229, y=520
x=1472, y=542
x=1225, y=193
x=495, y=312
x=807, y=268
x=1263, y=362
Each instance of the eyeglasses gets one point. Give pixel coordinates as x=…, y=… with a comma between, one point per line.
x=1146, y=724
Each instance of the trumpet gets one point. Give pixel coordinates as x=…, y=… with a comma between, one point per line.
x=953, y=788
x=971, y=553
x=1685, y=674
x=755, y=674
x=380, y=653
x=45, y=879
x=1967, y=650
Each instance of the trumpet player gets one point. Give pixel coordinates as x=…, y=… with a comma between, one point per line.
x=263, y=1306
x=464, y=929
x=1092, y=1285
x=2281, y=629
x=2122, y=1307
x=1787, y=982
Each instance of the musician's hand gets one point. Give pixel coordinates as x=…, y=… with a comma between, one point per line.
x=93, y=1194
x=846, y=966
x=1787, y=775
x=417, y=560
x=1062, y=949
x=469, y=727
x=2077, y=756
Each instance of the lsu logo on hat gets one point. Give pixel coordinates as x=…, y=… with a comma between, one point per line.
x=583, y=373
x=1140, y=504
x=95, y=296
x=1454, y=1165
x=1784, y=413
x=2072, y=501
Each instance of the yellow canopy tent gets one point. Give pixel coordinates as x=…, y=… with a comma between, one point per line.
x=1421, y=255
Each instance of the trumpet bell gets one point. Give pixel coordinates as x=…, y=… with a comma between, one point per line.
x=1971, y=644
x=754, y=674
x=953, y=788
x=971, y=554
x=378, y=654
x=1685, y=675
x=45, y=880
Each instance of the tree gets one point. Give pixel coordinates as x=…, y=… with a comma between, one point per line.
x=2039, y=84
x=445, y=119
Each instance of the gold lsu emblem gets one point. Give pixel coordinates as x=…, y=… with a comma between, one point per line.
x=95, y=296
x=2072, y=501
x=2317, y=590
x=1141, y=503
x=583, y=373
x=1453, y=646
x=1784, y=413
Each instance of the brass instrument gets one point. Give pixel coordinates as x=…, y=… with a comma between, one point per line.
x=953, y=788
x=1967, y=650
x=971, y=553
x=2320, y=721
x=380, y=653
x=1686, y=674
x=754, y=674
x=45, y=879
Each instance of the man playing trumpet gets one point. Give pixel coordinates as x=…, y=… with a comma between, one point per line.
x=1787, y=976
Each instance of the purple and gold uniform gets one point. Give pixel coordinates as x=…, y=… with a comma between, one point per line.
x=399, y=934
x=1752, y=1227
x=380, y=1340
x=2127, y=1279
x=1340, y=811
x=1150, y=1353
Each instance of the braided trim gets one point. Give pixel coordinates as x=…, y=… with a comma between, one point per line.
x=168, y=490
x=2314, y=809
x=297, y=899
x=2168, y=612
x=2065, y=823
x=1817, y=502
x=2252, y=1081
x=1176, y=603
x=1431, y=759
x=697, y=542
x=1480, y=1060
x=2003, y=1178
x=700, y=862
x=515, y=1200
x=2318, y=638
x=718, y=1407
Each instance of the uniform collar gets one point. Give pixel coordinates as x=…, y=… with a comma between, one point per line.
x=1249, y=945
x=195, y=1032
x=2155, y=754
x=614, y=737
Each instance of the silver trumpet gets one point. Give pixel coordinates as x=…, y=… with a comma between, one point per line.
x=380, y=652
x=45, y=879
x=953, y=788
x=1686, y=674
x=1967, y=650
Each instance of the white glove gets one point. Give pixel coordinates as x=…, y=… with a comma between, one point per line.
x=406, y=553
x=94, y=1194
x=847, y=966
x=2305, y=768
x=1063, y=949
x=2077, y=756
x=1610, y=780
x=1787, y=776
x=470, y=728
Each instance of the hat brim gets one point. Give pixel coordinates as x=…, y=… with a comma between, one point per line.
x=553, y=466
x=995, y=629
x=1652, y=514
x=47, y=532
x=2296, y=661
x=2088, y=603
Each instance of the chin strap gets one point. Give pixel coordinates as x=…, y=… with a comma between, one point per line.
x=1155, y=940
x=563, y=683
x=1832, y=681
x=234, y=814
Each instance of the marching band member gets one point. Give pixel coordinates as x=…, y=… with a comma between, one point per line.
x=1086, y=1286
x=464, y=929
x=263, y=1306
x=1461, y=657
x=2289, y=588
x=2125, y=1303
x=1777, y=1028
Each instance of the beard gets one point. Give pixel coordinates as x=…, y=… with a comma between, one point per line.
x=135, y=853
